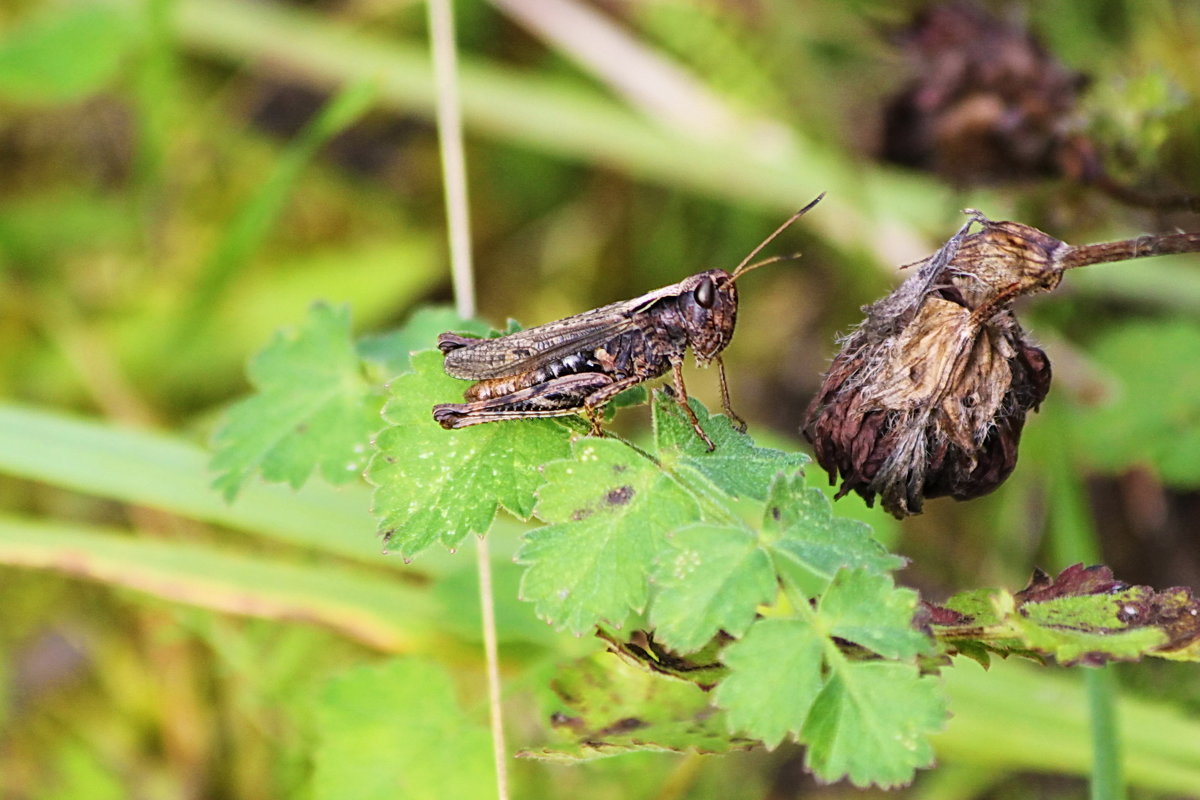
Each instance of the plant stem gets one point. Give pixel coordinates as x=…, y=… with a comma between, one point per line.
x=454, y=173
x=1107, y=775
x=454, y=178
x=1073, y=541
x=1126, y=249
x=487, y=606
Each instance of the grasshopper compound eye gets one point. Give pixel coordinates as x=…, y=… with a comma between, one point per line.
x=706, y=294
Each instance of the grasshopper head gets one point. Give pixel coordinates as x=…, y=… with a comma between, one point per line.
x=708, y=306
x=708, y=301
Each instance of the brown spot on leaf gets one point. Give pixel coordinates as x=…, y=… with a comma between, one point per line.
x=624, y=725
x=560, y=719
x=619, y=496
x=931, y=614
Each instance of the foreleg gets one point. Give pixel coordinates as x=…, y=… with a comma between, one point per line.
x=737, y=421
x=681, y=397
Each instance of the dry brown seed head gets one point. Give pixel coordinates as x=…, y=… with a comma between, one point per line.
x=929, y=394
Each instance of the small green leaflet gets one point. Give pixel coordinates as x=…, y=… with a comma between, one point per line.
x=863, y=719
x=608, y=707
x=709, y=578
x=871, y=722
x=736, y=465
x=869, y=610
x=712, y=578
x=809, y=544
x=396, y=730
x=313, y=409
x=610, y=508
x=775, y=675
x=441, y=485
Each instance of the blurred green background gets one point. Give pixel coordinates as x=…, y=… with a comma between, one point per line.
x=180, y=178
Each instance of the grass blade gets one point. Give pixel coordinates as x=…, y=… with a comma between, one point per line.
x=172, y=475
x=384, y=614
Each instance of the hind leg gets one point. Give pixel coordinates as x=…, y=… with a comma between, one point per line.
x=559, y=397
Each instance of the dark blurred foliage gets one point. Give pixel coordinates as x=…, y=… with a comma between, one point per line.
x=989, y=104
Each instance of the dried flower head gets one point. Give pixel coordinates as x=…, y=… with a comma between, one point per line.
x=988, y=103
x=928, y=396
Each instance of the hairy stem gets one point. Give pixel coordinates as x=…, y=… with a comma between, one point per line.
x=1126, y=249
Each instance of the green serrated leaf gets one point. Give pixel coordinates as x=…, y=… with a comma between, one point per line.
x=869, y=610
x=609, y=707
x=775, y=675
x=1082, y=616
x=390, y=354
x=612, y=508
x=864, y=719
x=1072, y=646
x=313, y=409
x=708, y=579
x=811, y=544
x=384, y=732
x=735, y=465
x=870, y=723
x=434, y=484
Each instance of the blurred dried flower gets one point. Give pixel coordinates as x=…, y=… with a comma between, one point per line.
x=928, y=396
x=989, y=104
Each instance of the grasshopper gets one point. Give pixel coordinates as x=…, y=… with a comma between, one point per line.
x=580, y=363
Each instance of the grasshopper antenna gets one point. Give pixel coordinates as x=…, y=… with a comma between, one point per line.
x=771, y=260
x=742, y=269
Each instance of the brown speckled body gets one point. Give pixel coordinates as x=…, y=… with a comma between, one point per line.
x=579, y=363
x=645, y=350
